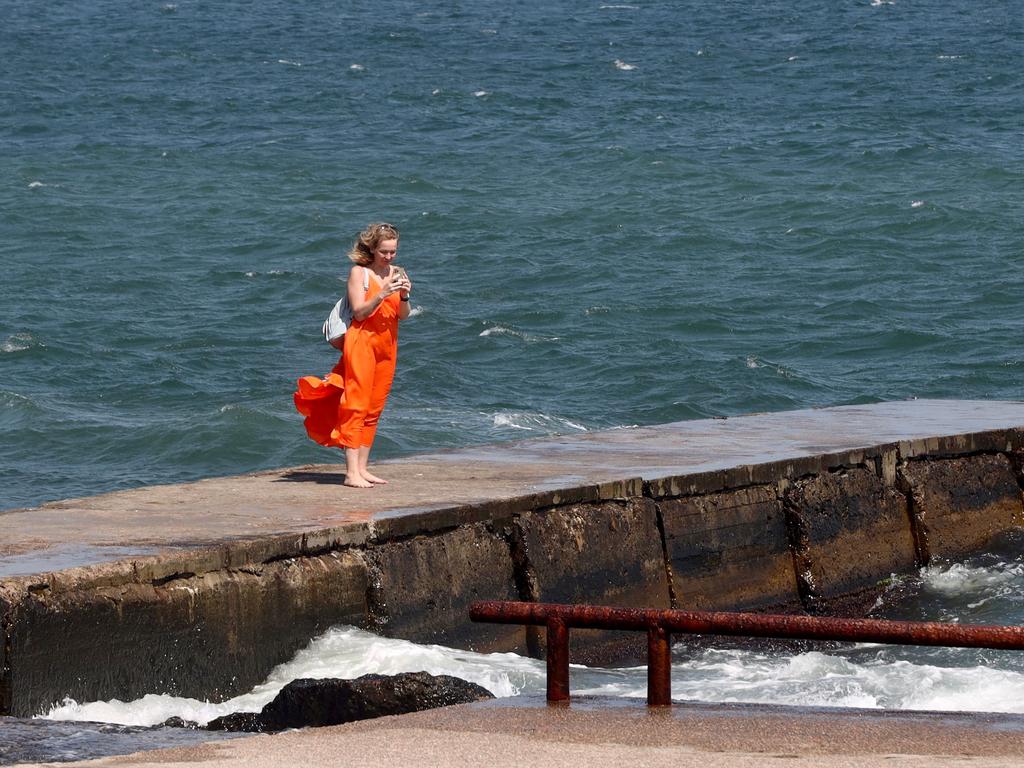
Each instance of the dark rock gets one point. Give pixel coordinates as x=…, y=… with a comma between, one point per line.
x=178, y=722
x=237, y=721
x=304, y=703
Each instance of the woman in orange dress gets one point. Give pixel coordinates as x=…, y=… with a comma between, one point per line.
x=343, y=408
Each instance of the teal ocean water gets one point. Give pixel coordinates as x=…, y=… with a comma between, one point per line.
x=614, y=214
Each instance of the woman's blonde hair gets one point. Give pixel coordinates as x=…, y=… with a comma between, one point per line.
x=368, y=240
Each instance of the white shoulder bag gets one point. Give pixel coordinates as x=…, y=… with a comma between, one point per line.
x=341, y=316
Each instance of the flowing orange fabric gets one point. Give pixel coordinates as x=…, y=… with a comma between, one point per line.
x=318, y=400
x=343, y=408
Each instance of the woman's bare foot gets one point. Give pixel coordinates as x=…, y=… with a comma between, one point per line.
x=354, y=481
x=374, y=478
x=353, y=463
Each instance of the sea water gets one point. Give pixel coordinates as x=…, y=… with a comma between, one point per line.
x=613, y=215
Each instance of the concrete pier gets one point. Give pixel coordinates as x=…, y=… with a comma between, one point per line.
x=200, y=589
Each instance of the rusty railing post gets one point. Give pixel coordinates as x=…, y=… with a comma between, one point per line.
x=659, y=667
x=558, y=660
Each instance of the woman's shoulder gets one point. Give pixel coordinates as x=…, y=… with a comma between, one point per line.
x=359, y=275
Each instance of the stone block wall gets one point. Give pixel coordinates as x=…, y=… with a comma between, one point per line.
x=421, y=588
x=849, y=530
x=729, y=550
x=961, y=503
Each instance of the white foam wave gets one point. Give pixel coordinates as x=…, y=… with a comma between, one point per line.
x=36, y=185
x=480, y=94
x=356, y=67
x=870, y=680
x=534, y=421
x=501, y=330
x=270, y=272
x=959, y=580
x=341, y=652
x=820, y=679
x=948, y=57
x=620, y=64
x=13, y=399
x=290, y=63
x=17, y=342
x=619, y=7
x=506, y=420
x=416, y=311
x=916, y=203
x=752, y=361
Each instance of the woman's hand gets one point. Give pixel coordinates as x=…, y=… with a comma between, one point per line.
x=402, y=281
x=392, y=283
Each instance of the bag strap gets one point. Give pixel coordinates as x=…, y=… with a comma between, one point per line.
x=366, y=280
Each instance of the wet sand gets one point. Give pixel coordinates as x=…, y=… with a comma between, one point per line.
x=527, y=732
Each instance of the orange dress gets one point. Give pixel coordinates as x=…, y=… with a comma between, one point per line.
x=342, y=409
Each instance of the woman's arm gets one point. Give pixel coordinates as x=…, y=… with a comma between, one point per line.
x=362, y=308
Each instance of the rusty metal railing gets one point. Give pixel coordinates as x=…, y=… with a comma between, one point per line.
x=660, y=625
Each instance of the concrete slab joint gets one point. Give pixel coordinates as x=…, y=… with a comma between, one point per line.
x=849, y=530
x=959, y=504
x=604, y=553
x=5, y=651
x=420, y=588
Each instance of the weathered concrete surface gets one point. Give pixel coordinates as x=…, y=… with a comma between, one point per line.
x=851, y=530
x=961, y=503
x=729, y=551
x=469, y=485
x=603, y=732
x=611, y=551
x=421, y=588
x=225, y=577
